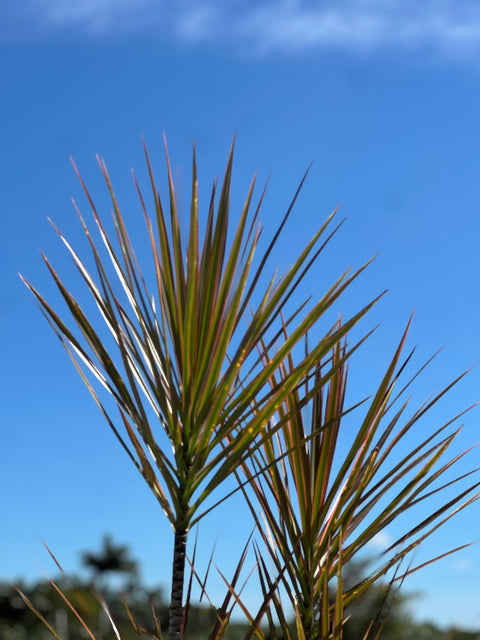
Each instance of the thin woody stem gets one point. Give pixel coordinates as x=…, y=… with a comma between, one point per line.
x=178, y=574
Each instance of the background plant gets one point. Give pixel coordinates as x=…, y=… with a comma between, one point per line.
x=17, y=622
x=319, y=501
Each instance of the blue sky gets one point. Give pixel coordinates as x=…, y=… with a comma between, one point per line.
x=383, y=97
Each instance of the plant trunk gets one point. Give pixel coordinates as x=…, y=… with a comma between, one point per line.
x=178, y=577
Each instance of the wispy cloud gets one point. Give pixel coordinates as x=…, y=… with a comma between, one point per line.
x=463, y=564
x=366, y=25
x=381, y=541
x=267, y=26
x=45, y=18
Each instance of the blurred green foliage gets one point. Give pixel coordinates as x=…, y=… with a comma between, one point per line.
x=135, y=601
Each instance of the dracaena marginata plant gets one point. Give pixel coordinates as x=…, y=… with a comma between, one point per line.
x=186, y=363
x=318, y=501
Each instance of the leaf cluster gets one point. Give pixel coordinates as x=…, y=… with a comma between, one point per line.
x=210, y=382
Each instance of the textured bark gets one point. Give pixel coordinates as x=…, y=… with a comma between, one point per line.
x=178, y=575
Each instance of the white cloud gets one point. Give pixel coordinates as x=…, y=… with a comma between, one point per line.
x=364, y=25
x=94, y=17
x=463, y=564
x=381, y=541
x=268, y=26
x=197, y=23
